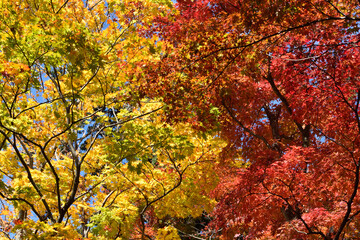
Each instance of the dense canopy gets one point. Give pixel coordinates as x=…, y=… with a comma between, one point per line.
x=280, y=80
x=201, y=119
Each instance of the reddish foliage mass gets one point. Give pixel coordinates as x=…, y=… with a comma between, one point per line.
x=280, y=79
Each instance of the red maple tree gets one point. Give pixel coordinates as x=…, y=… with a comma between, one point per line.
x=280, y=79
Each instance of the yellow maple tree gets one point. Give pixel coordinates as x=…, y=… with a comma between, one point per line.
x=82, y=154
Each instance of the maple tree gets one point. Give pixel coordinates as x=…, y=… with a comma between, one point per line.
x=82, y=154
x=280, y=79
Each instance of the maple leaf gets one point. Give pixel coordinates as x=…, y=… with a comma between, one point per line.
x=83, y=153
x=284, y=80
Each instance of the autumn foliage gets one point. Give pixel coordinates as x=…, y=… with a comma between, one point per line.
x=280, y=79
x=201, y=119
x=83, y=155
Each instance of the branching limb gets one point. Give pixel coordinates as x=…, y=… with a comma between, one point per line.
x=347, y=218
x=29, y=175
x=249, y=131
